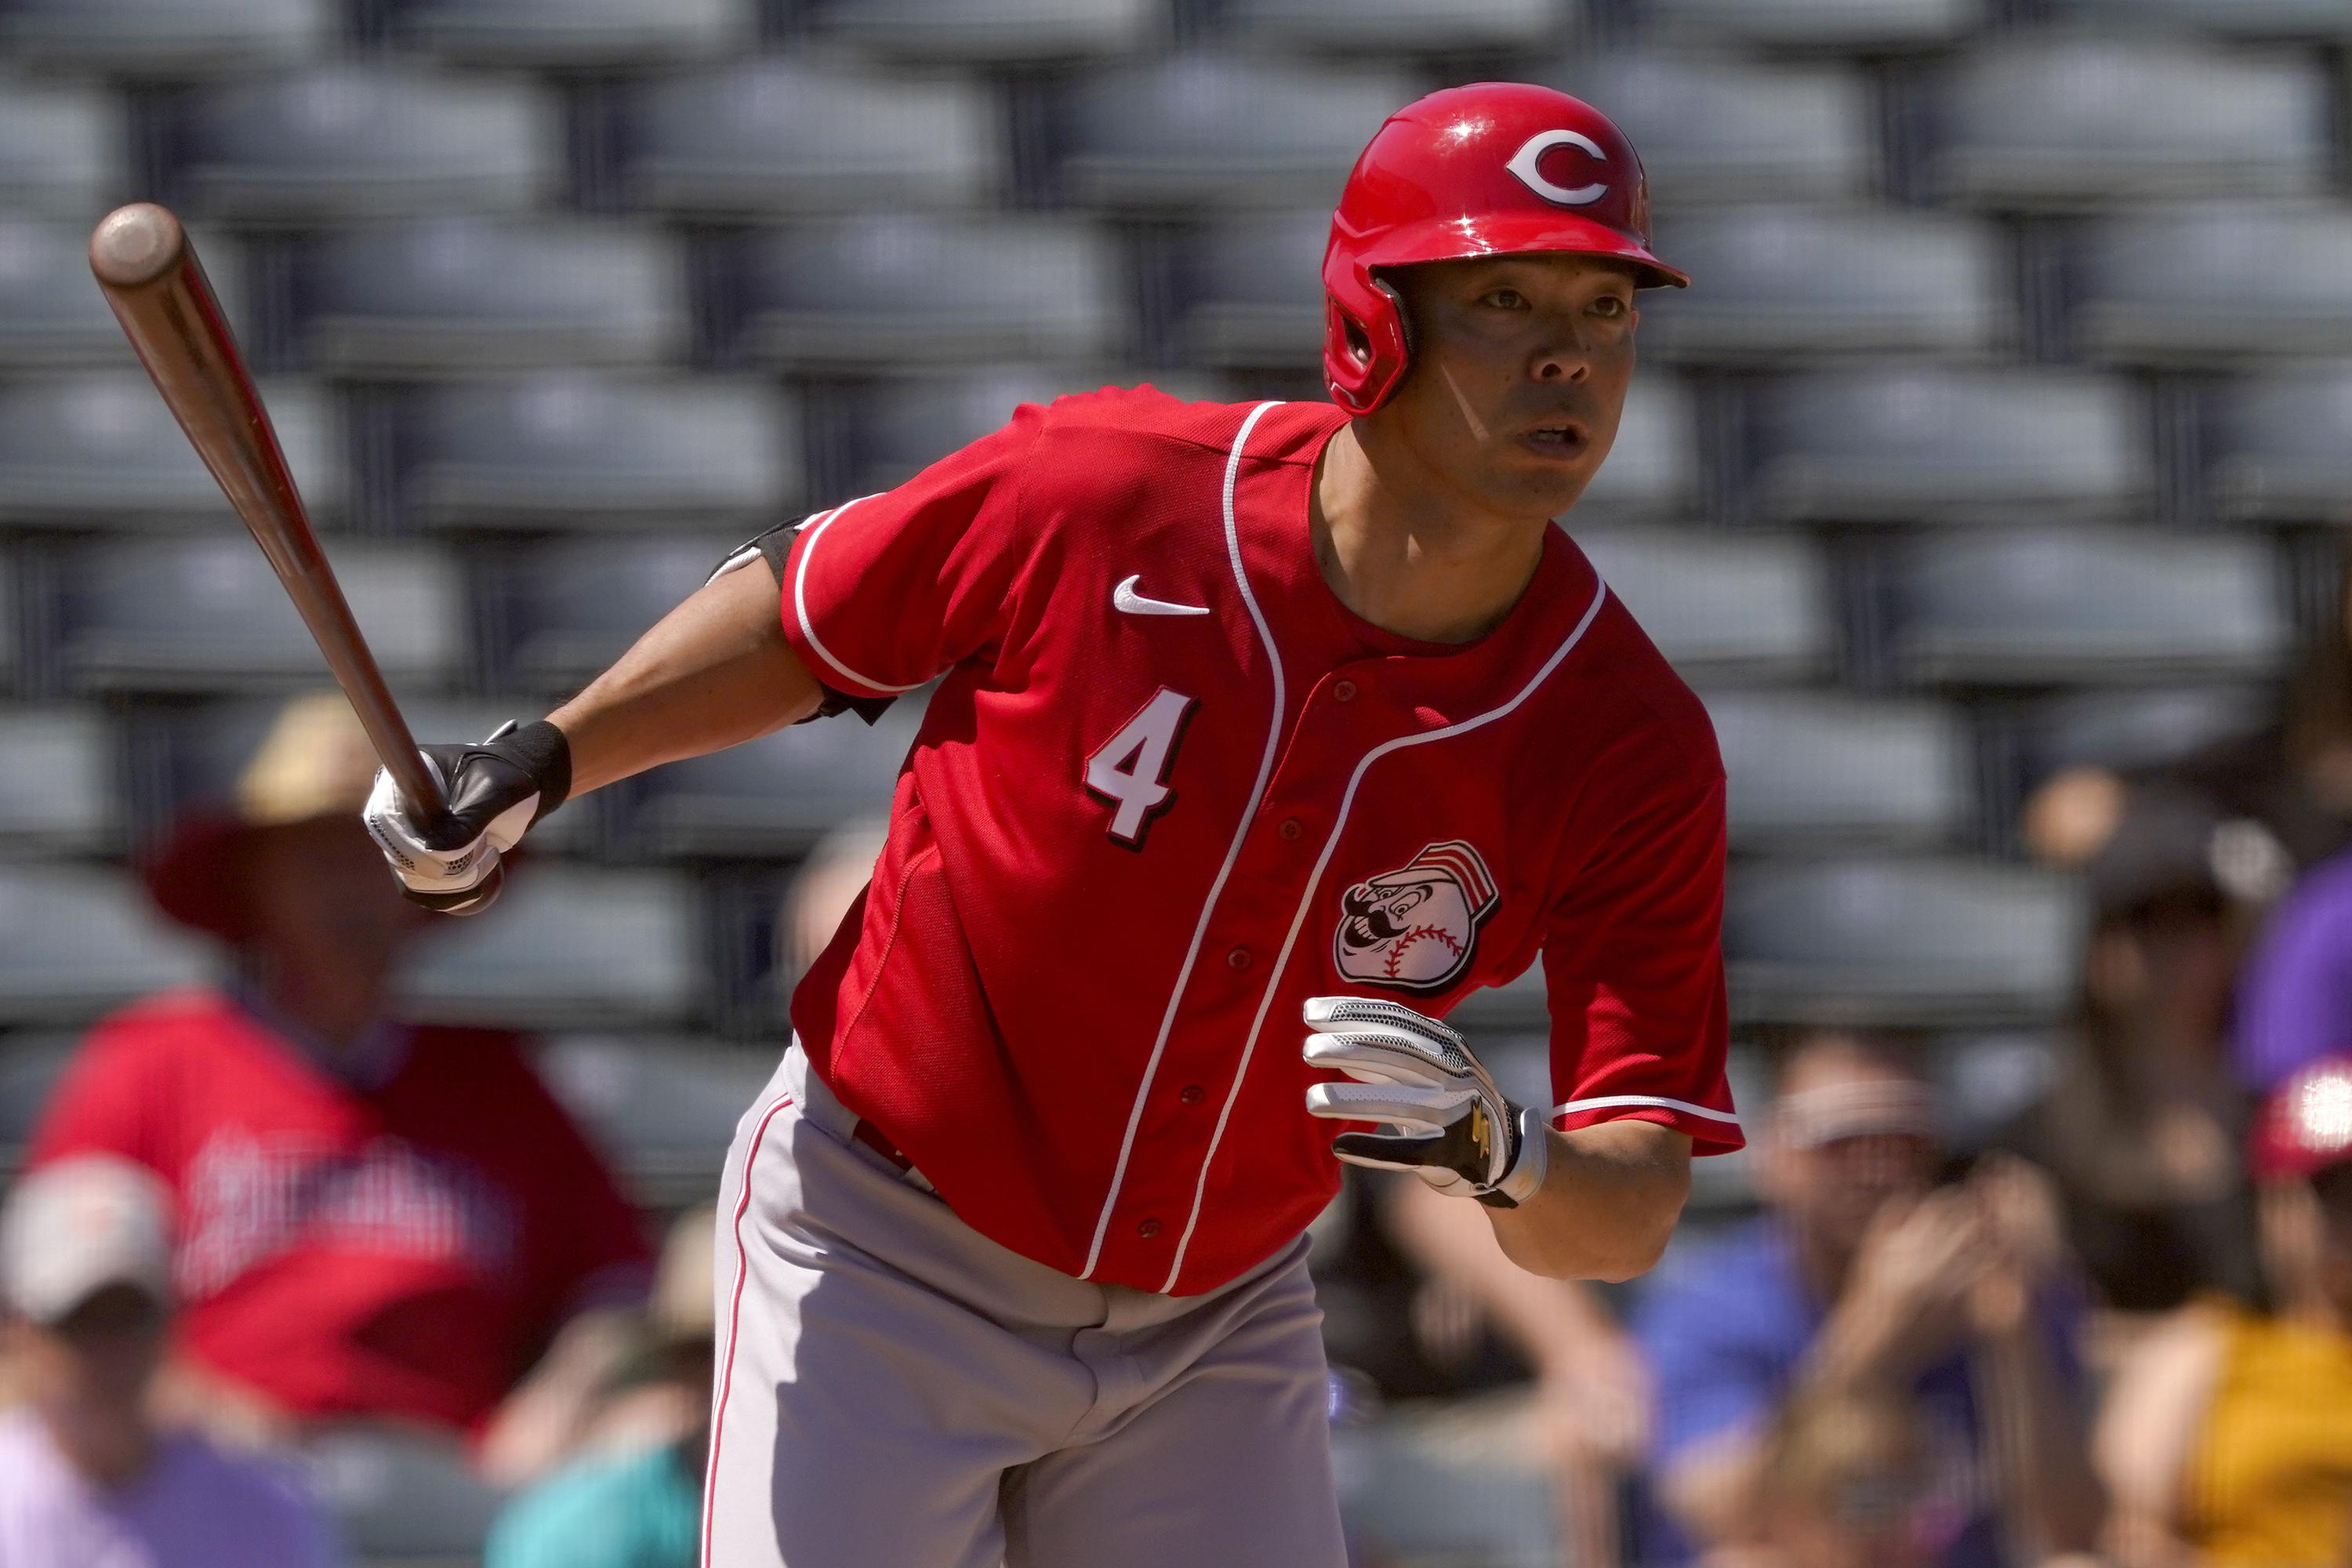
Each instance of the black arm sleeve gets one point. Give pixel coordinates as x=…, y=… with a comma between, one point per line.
x=772, y=547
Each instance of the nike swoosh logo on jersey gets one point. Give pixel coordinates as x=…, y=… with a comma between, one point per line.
x=1125, y=598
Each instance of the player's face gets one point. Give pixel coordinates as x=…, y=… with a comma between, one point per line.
x=1519, y=370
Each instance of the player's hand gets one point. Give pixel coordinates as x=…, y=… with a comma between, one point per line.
x=496, y=789
x=1447, y=1121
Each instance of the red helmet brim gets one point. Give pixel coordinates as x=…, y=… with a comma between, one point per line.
x=1516, y=234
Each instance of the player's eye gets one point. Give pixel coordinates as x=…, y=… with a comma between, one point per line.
x=1504, y=300
x=1613, y=307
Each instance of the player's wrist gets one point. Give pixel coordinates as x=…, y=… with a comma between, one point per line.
x=1530, y=1159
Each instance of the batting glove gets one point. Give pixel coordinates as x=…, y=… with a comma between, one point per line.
x=496, y=789
x=1449, y=1124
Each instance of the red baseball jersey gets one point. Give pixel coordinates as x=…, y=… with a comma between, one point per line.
x=1171, y=786
x=402, y=1250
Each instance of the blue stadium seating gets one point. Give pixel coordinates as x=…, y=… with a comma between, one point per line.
x=566, y=34
x=1854, y=24
x=11, y=628
x=964, y=32
x=2128, y=730
x=898, y=428
x=58, y=781
x=1735, y=608
x=577, y=451
x=2219, y=282
x=1923, y=941
x=167, y=35
x=779, y=134
x=569, y=947
x=1392, y=27
x=2049, y=607
x=1776, y=283
x=65, y=147
x=101, y=446
x=51, y=313
x=1248, y=291
x=1653, y=471
x=1714, y=130
x=2038, y=122
x=776, y=796
x=1216, y=132
x=568, y=609
x=347, y=141
x=663, y=1110
x=31, y=1062
x=922, y=291
x=2278, y=446
x=77, y=940
x=466, y=293
x=1810, y=768
x=207, y=613
x=2244, y=19
x=1924, y=442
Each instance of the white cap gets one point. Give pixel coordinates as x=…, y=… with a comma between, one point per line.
x=72, y=1228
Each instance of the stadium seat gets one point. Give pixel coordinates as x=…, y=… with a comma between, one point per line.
x=1779, y=282
x=1654, y=469
x=58, y=786
x=2048, y=607
x=166, y=35
x=77, y=940
x=1214, y=132
x=207, y=613
x=568, y=947
x=775, y=795
x=901, y=289
x=1809, y=768
x=65, y=147
x=1899, y=941
x=2278, y=446
x=466, y=293
x=1739, y=608
x=2129, y=731
x=2242, y=18
x=1390, y=26
x=662, y=1110
x=1716, y=129
x=1248, y=291
x=895, y=429
x=1921, y=444
x=1448, y=1483
x=52, y=314
x=2037, y=122
x=347, y=141
x=577, y=451
x=31, y=1062
x=566, y=610
x=11, y=627
x=100, y=447
x=560, y=34
x=965, y=32
x=1986, y=1080
x=399, y=1496
x=1846, y=25
x=778, y=134
x=2219, y=282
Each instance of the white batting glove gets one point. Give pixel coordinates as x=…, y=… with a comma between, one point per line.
x=496, y=789
x=1450, y=1125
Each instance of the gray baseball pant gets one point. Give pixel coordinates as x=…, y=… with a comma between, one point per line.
x=895, y=1390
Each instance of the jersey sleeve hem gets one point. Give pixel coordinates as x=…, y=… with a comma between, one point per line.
x=799, y=626
x=1711, y=1131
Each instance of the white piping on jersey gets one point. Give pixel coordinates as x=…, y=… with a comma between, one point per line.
x=1232, y=853
x=808, y=627
x=1610, y=1101
x=1314, y=879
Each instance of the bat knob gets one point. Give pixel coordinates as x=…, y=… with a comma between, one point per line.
x=135, y=245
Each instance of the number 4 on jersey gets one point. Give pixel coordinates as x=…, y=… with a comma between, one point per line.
x=1131, y=770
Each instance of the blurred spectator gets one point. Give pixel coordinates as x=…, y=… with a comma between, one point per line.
x=2296, y=1006
x=2139, y=1130
x=376, y=1220
x=1851, y=1482
x=641, y=1508
x=1865, y=1279
x=86, y=1479
x=2228, y=1435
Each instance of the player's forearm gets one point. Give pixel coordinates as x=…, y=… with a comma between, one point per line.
x=1610, y=1198
x=714, y=672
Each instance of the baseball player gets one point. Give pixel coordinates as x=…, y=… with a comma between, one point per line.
x=1262, y=735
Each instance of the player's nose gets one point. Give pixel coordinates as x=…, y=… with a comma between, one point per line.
x=1562, y=357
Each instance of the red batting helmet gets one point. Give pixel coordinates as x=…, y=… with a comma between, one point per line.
x=1491, y=169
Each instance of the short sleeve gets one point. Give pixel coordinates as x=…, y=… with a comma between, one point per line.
x=1633, y=968
x=885, y=593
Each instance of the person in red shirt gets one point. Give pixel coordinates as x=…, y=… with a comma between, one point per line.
x=1262, y=735
x=374, y=1220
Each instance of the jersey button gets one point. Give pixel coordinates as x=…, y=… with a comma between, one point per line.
x=1343, y=691
x=1238, y=959
x=1292, y=829
x=1192, y=1094
x=1147, y=1228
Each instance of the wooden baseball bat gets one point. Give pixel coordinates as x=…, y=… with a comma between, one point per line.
x=156, y=287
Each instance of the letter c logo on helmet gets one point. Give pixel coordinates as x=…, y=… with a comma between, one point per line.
x=1523, y=163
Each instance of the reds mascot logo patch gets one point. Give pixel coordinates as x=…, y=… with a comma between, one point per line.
x=1415, y=928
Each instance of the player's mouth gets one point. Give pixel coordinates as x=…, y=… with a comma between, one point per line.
x=1562, y=442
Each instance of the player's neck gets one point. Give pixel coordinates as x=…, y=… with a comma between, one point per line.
x=1411, y=556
